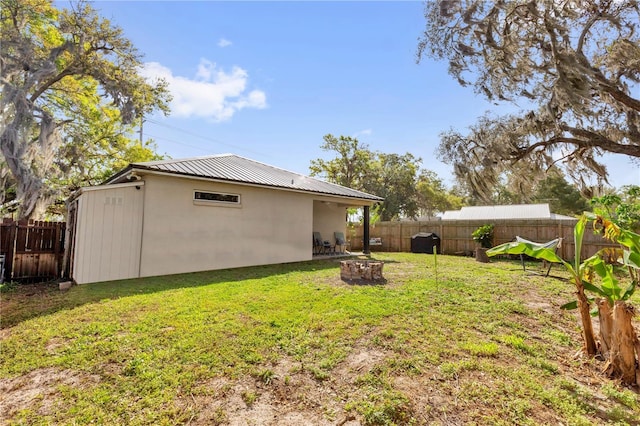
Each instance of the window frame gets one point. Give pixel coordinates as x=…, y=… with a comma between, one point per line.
x=219, y=203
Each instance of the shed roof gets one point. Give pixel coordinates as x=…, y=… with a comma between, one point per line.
x=234, y=168
x=516, y=211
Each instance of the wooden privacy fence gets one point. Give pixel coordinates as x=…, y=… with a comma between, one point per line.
x=32, y=250
x=455, y=235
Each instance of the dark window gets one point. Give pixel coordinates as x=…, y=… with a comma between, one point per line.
x=216, y=196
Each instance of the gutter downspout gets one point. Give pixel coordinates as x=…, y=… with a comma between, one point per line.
x=144, y=202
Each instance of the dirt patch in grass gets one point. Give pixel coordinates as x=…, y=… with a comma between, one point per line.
x=54, y=345
x=291, y=395
x=361, y=359
x=38, y=390
x=4, y=334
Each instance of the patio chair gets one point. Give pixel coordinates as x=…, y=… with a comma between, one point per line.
x=553, y=244
x=340, y=241
x=321, y=246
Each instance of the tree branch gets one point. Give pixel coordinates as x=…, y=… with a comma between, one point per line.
x=44, y=87
x=584, y=139
x=583, y=34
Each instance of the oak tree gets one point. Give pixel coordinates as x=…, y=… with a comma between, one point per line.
x=350, y=167
x=394, y=179
x=562, y=197
x=71, y=90
x=433, y=196
x=572, y=66
x=391, y=176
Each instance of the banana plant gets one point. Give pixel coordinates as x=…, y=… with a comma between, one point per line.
x=619, y=339
x=628, y=254
x=609, y=287
x=582, y=273
x=576, y=270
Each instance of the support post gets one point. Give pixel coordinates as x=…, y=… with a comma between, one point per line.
x=365, y=232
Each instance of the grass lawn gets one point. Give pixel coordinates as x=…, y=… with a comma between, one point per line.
x=294, y=345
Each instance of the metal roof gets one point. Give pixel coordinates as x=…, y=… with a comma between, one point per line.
x=516, y=211
x=451, y=215
x=234, y=168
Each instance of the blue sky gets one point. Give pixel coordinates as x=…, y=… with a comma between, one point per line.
x=267, y=80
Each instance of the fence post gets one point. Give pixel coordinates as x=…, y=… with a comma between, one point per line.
x=561, y=254
x=56, y=247
x=9, y=239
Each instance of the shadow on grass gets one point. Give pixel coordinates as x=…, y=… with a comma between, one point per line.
x=29, y=301
x=535, y=268
x=623, y=414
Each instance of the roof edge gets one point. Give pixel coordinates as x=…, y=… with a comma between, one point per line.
x=133, y=167
x=150, y=167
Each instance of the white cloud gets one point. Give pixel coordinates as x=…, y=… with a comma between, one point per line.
x=213, y=93
x=365, y=132
x=223, y=42
x=204, y=70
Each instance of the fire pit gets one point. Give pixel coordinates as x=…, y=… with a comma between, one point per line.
x=361, y=270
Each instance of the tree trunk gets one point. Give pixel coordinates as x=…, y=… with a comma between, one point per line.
x=605, y=317
x=28, y=165
x=587, y=326
x=624, y=344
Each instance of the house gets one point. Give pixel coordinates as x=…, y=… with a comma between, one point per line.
x=205, y=213
x=505, y=212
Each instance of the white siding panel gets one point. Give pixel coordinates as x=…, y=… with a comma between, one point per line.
x=108, y=234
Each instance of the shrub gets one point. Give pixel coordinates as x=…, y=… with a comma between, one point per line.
x=484, y=235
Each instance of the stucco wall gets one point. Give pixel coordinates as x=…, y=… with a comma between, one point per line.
x=158, y=229
x=329, y=217
x=181, y=235
x=108, y=233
